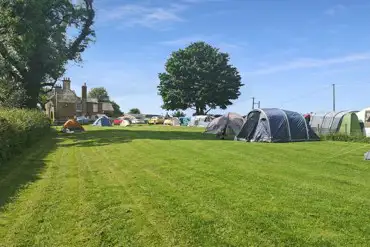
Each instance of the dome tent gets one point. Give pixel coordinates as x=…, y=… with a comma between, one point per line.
x=229, y=124
x=275, y=125
x=102, y=121
x=72, y=125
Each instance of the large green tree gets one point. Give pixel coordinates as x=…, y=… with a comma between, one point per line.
x=135, y=111
x=117, y=109
x=36, y=41
x=99, y=93
x=199, y=77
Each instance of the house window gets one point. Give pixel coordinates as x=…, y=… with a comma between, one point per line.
x=78, y=107
x=95, y=107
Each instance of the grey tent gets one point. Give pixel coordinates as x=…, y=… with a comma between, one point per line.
x=228, y=124
x=275, y=125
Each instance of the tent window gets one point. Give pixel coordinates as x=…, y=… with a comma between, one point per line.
x=367, y=117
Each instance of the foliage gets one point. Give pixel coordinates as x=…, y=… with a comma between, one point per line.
x=199, y=77
x=170, y=186
x=117, y=109
x=345, y=138
x=134, y=111
x=99, y=93
x=20, y=128
x=178, y=114
x=35, y=41
x=11, y=94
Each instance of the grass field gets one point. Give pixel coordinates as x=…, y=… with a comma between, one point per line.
x=163, y=186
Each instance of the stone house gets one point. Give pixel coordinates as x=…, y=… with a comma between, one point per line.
x=63, y=103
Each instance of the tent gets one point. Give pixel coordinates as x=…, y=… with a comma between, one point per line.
x=275, y=125
x=125, y=123
x=102, y=121
x=184, y=121
x=345, y=122
x=364, y=119
x=72, y=125
x=200, y=121
x=228, y=124
x=172, y=121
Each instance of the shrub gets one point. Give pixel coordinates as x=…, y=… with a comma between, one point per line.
x=20, y=128
x=345, y=138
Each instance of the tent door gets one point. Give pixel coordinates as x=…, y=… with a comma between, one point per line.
x=251, y=125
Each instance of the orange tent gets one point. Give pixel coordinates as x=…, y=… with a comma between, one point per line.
x=72, y=125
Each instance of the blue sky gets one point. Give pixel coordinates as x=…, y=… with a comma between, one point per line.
x=288, y=52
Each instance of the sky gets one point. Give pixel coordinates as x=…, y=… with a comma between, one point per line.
x=288, y=52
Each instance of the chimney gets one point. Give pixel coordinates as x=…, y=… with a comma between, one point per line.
x=84, y=91
x=66, y=83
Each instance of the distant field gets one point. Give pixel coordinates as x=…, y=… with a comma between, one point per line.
x=167, y=186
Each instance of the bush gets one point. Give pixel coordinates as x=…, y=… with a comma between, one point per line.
x=19, y=129
x=345, y=138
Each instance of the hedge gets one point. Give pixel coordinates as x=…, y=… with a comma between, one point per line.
x=20, y=128
x=345, y=138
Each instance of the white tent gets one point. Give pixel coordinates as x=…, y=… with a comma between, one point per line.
x=172, y=121
x=200, y=121
x=364, y=118
x=125, y=123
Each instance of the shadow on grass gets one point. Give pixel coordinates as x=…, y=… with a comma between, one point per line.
x=111, y=136
x=24, y=168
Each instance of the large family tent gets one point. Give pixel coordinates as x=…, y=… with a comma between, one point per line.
x=200, y=121
x=228, y=124
x=275, y=125
x=364, y=118
x=345, y=122
x=172, y=121
x=72, y=125
x=102, y=121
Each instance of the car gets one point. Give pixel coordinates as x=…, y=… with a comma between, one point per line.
x=138, y=121
x=156, y=120
x=83, y=120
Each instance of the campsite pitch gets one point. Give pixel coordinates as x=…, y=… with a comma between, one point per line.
x=168, y=186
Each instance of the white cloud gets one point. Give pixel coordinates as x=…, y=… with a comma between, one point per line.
x=312, y=63
x=335, y=10
x=142, y=15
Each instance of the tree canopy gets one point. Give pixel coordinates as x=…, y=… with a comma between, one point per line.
x=178, y=114
x=135, y=111
x=36, y=42
x=99, y=93
x=199, y=77
x=117, y=109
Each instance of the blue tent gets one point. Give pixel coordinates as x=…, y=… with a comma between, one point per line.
x=102, y=121
x=275, y=125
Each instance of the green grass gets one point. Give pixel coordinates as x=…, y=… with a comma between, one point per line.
x=163, y=186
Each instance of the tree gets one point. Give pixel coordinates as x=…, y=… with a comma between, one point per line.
x=35, y=41
x=117, y=111
x=99, y=93
x=178, y=114
x=135, y=111
x=199, y=77
x=11, y=95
